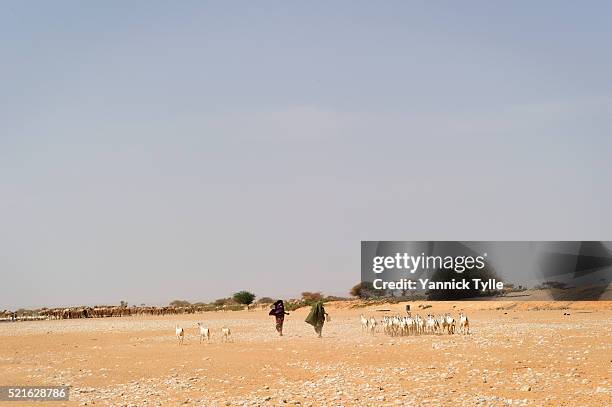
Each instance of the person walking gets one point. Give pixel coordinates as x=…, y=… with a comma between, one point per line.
x=279, y=312
x=316, y=317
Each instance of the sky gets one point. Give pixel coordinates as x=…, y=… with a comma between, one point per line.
x=153, y=150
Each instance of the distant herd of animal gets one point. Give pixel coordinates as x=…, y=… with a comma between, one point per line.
x=100, y=312
x=403, y=325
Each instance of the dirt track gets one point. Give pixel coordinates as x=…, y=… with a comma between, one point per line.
x=513, y=357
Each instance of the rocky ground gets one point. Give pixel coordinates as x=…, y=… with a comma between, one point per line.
x=516, y=354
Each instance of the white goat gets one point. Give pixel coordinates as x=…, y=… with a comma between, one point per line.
x=204, y=332
x=432, y=326
x=464, y=324
x=419, y=324
x=416, y=325
x=450, y=322
x=364, y=323
x=180, y=334
x=225, y=334
x=372, y=325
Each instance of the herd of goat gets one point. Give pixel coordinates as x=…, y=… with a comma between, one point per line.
x=398, y=325
x=403, y=325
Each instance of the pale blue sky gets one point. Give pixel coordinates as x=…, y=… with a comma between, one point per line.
x=159, y=150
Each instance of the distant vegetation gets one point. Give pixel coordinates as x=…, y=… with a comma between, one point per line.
x=365, y=290
x=244, y=298
x=238, y=301
x=180, y=303
x=443, y=274
x=223, y=301
x=310, y=298
x=547, y=285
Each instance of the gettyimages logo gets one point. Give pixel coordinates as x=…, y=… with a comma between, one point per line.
x=412, y=264
x=516, y=270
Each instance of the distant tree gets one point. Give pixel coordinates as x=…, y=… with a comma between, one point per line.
x=365, y=289
x=357, y=290
x=123, y=304
x=310, y=298
x=180, y=303
x=265, y=300
x=244, y=297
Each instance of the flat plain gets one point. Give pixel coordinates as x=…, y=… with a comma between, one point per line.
x=531, y=353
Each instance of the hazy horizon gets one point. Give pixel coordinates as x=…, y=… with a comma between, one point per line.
x=155, y=151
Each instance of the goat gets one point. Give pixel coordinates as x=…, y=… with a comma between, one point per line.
x=204, y=332
x=450, y=322
x=225, y=334
x=416, y=325
x=464, y=324
x=419, y=324
x=442, y=323
x=432, y=326
x=180, y=334
x=364, y=323
x=372, y=325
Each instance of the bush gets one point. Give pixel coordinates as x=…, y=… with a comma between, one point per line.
x=179, y=303
x=293, y=305
x=311, y=298
x=265, y=300
x=223, y=301
x=356, y=290
x=244, y=297
x=208, y=308
x=365, y=289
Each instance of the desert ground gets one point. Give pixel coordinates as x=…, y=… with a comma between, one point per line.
x=530, y=353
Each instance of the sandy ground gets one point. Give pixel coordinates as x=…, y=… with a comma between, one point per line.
x=523, y=354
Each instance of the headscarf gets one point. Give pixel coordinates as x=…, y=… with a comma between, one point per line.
x=279, y=308
x=316, y=315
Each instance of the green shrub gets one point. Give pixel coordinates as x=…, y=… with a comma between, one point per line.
x=244, y=297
